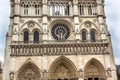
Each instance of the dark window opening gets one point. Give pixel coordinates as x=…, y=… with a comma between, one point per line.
x=89, y=78
x=26, y=37
x=36, y=37
x=66, y=79
x=96, y=78
x=81, y=10
x=83, y=36
x=92, y=35
x=89, y=10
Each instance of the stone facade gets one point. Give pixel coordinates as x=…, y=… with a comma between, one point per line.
x=1, y=71
x=1, y=74
x=118, y=71
x=58, y=40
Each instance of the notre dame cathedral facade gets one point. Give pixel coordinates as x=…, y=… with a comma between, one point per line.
x=58, y=40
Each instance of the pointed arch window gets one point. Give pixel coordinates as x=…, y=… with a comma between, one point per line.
x=26, y=37
x=92, y=36
x=36, y=37
x=83, y=36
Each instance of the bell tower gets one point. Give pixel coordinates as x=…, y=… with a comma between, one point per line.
x=58, y=40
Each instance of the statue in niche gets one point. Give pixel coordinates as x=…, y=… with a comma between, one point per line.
x=11, y=76
x=62, y=72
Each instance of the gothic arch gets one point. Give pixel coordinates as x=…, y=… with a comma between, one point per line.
x=31, y=21
x=94, y=68
x=63, y=68
x=84, y=30
x=36, y=29
x=25, y=29
x=63, y=21
x=29, y=71
x=91, y=27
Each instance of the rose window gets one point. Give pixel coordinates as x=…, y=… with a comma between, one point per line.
x=60, y=32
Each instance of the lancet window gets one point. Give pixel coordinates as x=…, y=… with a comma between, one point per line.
x=31, y=7
x=87, y=8
x=83, y=36
x=92, y=36
x=26, y=37
x=36, y=37
x=59, y=8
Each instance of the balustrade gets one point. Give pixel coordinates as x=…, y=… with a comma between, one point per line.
x=58, y=49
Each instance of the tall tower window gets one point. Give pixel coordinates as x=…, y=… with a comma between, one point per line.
x=59, y=8
x=31, y=7
x=26, y=9
x=26, y=37
x=38, y=9
x=92, y=36
x=36, y=37
x=83, y=36
x=81, y=9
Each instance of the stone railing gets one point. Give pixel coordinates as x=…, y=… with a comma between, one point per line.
x=72, y=48
x=57, y=42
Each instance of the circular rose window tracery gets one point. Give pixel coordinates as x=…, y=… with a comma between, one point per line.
x=60, y=32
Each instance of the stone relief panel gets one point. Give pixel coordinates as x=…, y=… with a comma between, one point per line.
x=29, y=71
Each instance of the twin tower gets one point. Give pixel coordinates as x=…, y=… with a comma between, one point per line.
x=58, y=40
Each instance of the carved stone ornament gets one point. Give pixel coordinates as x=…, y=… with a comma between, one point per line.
x=31, y=24
x=77, y=31
x=95, y=20
x=80, y=72
x=109, y=71
x=15, y=31
x=22, y=20
x=39, y=20
x=88, y=25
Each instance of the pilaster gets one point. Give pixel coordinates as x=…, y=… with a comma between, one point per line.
x=75, y=7
x=6, y=69
x=101, y=15
x=45, y=20
x=16, y=20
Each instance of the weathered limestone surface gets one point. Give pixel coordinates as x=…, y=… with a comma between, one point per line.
x=58, y=40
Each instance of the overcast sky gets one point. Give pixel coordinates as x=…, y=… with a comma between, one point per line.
x=112, y=10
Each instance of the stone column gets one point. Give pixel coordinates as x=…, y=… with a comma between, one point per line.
x=80, y=74
x=70, y=9
x=11, y=19
x=45, y=73
x=45, y=28
x=88, y=37
x=76, y=19
x=6, y=68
